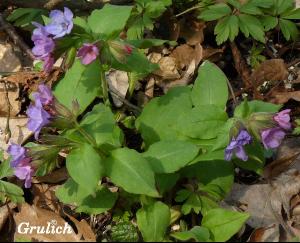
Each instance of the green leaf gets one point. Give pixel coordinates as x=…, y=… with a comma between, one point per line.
x=293, y=14
x=85, y=167
x=227, y=28
x=5, y=169
x=170, y=156
x=215, y=12
x=23, y=17
x=81, y=83
x=154, y=9
x=246, y=108
x=165, y=182
x=262, y=4
x=124, y=231
x=160, y=115
x=210, y=89
x=289, y=29
x=147, y=43
x=250, y=8
x=136, y=29
x=129, y=170
x=250, y=25
x=153, y=221
x=110, y=20
x=11, y=191
x=197, y=233
x=71, y=193
x=202, y=122
x=219, y=173
x=101, y=125
x=269, y=22
x=283, y=6
x=223, y=224
x=101, y=202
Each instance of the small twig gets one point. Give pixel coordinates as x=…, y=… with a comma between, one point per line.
x=232, y=92
x=126, y=102
x=11, y=32
x=187, y=11
x=240, y=65
x=7, y=131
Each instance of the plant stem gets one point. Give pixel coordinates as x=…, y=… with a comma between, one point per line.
x=104, y=84
x=187, y=11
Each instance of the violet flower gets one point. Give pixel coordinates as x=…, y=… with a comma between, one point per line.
x=61, y=23
x=44, y=95
x=43, y=44
x=236, y=146
x=283, y=119
x=88, y=53
x=272, y=138
x=17, y=153
x=38, y=118
x=24, y=171
x=21, y=163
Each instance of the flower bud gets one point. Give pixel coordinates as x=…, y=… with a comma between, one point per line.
x=120, y=50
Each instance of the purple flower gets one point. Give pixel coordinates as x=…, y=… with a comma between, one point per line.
x=48, y=63
x=38, y=118
x=17, y=153
x=61, y=23
x=24, y=171
x=236, y=146
x=44, y=95
x=283, y=119
x=273, y=137
x=88, y=53
x=43, y=44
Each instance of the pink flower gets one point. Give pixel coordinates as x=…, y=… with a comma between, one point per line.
x=24, y=171
x=273, y=137
x=88, y=53
x=283, y=119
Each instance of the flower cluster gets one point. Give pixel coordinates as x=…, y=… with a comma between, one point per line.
x=21, y=163
x=38, y=116
x=43, y=36
x=273, y=137
x=270, y=137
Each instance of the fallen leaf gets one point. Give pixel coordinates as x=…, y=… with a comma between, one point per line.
x=118, y=82
x=11, y=98
x=18, y=128
x=168, y=68
x=185, y=54
x=192, y=31
x=55, y=177
x=9, y=61
x=282, y=98
x=44, y=197
x=275, y=168
x=35, y=216
x=270, y=70
x=185, y=80
x=265, y=234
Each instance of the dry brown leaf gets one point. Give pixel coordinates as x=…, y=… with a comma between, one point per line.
x=55, y=177
x=212, y=54
x=185, y=80
x=282, y=98
x=270, y=70
x=168, y=68
x=265, y=234
x=192, y=31
x=84, y=228
x=118, y=81
x=9, y=62
x=185, y=54
x=35, y=216
x=13, y=99
x=18, y=128
x=275, y=168
x=44, y=197
x=4, y=213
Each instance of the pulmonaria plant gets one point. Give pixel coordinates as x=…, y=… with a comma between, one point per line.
x=21, y=163
x=38, y=116
x=271, y=127
x=43, y=36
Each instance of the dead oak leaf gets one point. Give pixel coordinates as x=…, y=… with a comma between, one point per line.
x=284, y=97
x=34, y=216
x=185, y=54
x=270, y=70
